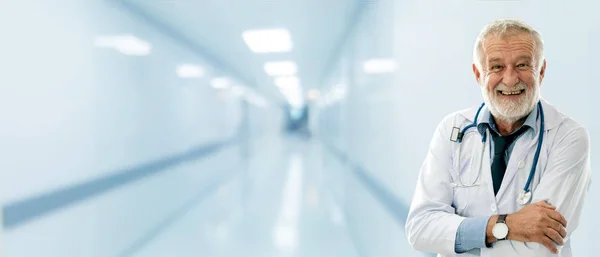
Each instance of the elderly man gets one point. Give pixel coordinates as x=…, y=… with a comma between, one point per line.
x=509, y=177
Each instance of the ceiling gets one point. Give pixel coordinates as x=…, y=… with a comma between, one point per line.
x=317, y=28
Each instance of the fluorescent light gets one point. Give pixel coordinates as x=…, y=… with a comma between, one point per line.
x=189, y=71
x=376, y=66
x=291, y=89
x=126, y=44
x=268, y=40
x=282, y=68
x=287, y=82
x=220, y=83
x=297, y=102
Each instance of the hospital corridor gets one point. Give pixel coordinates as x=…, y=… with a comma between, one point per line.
x=254, y=128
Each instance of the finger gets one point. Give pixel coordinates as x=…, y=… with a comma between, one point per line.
x=545, y=205
x=563, y=232
x=547, y=242
x=557, y=217
x=555, y=236
x=555, y=225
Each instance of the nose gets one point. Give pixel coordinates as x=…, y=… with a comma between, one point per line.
x=510, y=77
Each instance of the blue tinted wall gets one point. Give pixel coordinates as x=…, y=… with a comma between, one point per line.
x=383, y=123
x=93, y=98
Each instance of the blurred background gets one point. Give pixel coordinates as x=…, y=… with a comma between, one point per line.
x=179, y=128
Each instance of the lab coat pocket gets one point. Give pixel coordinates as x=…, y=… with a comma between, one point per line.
x=471, y=201
x=464, y=184
x=467, y=179
x=461, y=199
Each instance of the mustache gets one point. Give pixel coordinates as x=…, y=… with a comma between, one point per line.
x=520, y=86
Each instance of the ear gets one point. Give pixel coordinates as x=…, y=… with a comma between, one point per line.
x=542, y=71
x=477, y=74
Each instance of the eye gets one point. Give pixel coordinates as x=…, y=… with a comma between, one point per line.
x=496, y=67
x=523, y=65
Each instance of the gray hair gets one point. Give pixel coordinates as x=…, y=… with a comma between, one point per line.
x=508, y=27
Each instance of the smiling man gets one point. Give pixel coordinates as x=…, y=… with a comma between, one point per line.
x=509, y=177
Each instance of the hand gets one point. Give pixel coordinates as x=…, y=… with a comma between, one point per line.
x=538, y=222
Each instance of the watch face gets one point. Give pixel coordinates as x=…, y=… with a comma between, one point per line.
x=500, y=230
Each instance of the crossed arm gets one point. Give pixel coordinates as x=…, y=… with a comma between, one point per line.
x=432, y=224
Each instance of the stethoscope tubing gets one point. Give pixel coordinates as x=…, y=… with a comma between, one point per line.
x=537, y=151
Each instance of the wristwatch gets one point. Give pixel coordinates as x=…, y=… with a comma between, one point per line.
x=500, y=229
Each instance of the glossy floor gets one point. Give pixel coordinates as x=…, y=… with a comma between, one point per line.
x=290, y=197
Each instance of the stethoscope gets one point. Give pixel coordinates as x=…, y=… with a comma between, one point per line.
x=525, y=195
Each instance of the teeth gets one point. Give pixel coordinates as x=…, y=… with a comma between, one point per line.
x=511, y=92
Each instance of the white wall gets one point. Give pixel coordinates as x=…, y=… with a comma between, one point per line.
x=67, y=104
x=71, y=112
x=386, y=121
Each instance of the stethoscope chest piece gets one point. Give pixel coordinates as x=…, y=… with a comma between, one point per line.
x=524, y=197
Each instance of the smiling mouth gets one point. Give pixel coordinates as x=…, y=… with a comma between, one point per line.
x=511, y=92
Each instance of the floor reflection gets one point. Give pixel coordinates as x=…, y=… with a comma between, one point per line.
x=280, y=207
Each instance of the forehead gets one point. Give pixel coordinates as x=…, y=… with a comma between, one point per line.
x=508, y=47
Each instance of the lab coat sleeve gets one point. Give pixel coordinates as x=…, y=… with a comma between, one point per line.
x=567, y=176
x=432, y=224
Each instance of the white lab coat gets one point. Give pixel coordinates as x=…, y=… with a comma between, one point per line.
x=562, y=177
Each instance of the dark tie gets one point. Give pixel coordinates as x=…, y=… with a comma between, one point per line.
x=501, y=144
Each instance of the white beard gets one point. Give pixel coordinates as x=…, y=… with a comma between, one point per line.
x=511, y=110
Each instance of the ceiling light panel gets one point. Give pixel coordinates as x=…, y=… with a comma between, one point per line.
x=189, y=71
x=281, y=68
x=268, y=40
x=287, y=82
x=126, y=44
x=220, y=83
x=378, y=66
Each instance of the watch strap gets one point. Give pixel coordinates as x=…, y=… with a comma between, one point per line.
x=502, y=219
